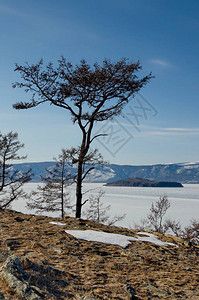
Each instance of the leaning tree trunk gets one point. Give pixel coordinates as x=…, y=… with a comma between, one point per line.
x=84, y=149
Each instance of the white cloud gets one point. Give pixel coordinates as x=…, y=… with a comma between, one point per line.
x=174, y=131
x=145, y=130
x=160, y=62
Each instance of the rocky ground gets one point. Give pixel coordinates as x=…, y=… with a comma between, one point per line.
x=39, y=260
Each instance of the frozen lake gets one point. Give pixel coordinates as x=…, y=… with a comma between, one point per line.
x=135, y=202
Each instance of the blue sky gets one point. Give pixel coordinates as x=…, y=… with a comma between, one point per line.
x=163, y=35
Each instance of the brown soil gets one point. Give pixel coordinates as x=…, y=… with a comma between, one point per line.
x=96, y=269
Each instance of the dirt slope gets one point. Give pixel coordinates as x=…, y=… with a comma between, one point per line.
x=60, y=266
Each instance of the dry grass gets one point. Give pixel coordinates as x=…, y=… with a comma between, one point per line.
x=96, y=268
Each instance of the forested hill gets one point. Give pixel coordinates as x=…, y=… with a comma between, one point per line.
x=180, y=172
x=139, y=182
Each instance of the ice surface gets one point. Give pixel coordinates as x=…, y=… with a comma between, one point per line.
x=134, y=202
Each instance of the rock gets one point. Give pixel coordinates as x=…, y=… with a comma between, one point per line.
x=130, y=291
x=3, y=225
x=101, y=253
x=19, y=219
x=3, y=255
x=16, y=278
x=154, y=290
x=58, y=250
x=87, y=297
x=12, y=244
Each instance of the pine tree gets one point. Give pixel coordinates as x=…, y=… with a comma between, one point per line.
x=11, y=180
x=52, y=194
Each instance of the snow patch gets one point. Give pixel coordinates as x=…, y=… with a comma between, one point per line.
x=116, y=239
x=102, y=174
x=57, y=223
x=191, y=166
x=151, y=238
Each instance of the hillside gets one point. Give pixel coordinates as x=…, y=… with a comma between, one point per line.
x=40, y=260
x=182, y=172
x=140, y=182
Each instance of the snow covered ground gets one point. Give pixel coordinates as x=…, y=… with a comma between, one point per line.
x=135, y=202
x=116, y=239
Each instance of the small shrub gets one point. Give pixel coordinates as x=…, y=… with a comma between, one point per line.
x=191, y=233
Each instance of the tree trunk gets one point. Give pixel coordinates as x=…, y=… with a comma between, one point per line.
x=62, y=201
x=2, y=175
x=79, y=189
x=84, y=149
x=62, y=192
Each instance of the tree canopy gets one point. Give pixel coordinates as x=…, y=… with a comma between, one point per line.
x=97, y=93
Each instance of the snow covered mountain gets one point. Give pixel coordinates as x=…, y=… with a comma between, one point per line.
x=180, y=172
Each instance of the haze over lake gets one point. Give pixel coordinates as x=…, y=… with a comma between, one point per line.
x=135, y=202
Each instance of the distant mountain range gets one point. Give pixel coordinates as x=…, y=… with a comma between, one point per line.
x=179, y=172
